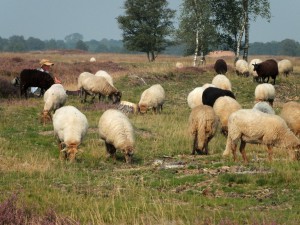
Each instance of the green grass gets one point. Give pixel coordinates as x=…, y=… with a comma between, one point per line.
x=95, y=190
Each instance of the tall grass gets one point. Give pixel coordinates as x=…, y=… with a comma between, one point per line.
x=192, y=190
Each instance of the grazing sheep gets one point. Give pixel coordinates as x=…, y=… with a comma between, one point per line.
x=70, y=126
x=264, y=107
x=195, y=97
x=266, y=69
x=54, y=98
x=241, y=68
x=285, y=67
x=117, y=132
x=179, y=65
x=224, y=106
x=211, y=94
x=290, y=112
x=34, y=78
x=265, y=92
x=253, y=126
x=251, y=69
x=220, y=66
x=203, y=123
x=93, y=85
x=153, y=97
x=221, y=81
x=92, y=59
x=128, y=107
x=81, y=78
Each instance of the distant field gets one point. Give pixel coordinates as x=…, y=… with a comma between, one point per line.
x=165, y=184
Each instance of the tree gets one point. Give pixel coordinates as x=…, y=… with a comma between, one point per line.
x=146, y=26
x=196, y=29
x=81, y=45
x=17, y=44
x=35, y=44
x=72, y=39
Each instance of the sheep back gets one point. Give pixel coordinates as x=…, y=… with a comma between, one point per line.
x=195, y=97
x=241, y=67
x=116, y=130
x=220, y=66
x=107, y=76
x=211, y=94
x=55, y=97
x=285, y=67
x=152, y=97
x=265, y=92
x=221, y=81
x=290, y=112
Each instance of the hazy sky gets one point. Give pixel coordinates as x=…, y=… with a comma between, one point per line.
x=96, y=19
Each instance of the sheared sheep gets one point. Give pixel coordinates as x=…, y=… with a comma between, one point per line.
x=224, y=106
x=265, y=92
x=253, y=126
x=285, y=67
x=241, y=68
x=54, y=98
x=203, y=123
x=70, y=126
x=220, y=66
x=264, y=107
x=267, y=69
x=211, y=94
x=93, y=85
x=251, y=69
x=128, y=107
x=117, y=131
x=153, y=97
x=290, y=112
x=221, y=81
x=34, y=78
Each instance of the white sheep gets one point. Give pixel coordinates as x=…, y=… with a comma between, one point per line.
x=70, y=126
x=221, y=81
x=195, y=97
x=153, y=97
x=107, y=76
x=224, y=106
x=117, y=131
x=179, y=65
x=203, y=123
x=241, y=67
x=251, y=68
x=290, y=112
x=93, y=85
x=264, y=107
x=54, y=98
x=256, y=127
x=265, y=92
x=81, y=78
x=285, y=67
x=128, y=107
x=207, y=85
x=92, y=59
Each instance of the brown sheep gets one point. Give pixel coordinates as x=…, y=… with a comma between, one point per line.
x=267, y=69
x=220, y=66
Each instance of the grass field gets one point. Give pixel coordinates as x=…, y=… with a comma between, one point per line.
x=165, y=184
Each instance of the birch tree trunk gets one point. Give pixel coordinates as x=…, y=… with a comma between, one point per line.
x=196, y=49
x=241, y=33
x=246, y=47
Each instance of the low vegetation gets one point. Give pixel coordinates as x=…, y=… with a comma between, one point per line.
x=165, y=184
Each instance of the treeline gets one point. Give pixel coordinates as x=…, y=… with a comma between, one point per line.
x=15, y=43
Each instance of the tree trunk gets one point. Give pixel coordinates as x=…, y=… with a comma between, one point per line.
x=246, y=47
x=196, y=49
x=241, y=33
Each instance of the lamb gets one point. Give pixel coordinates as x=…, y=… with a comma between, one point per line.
x=93, y=85
x=211, y=94
x=34, y=78
x=70, y=126
x=107, y=76
x=241, y=68
x=221, y=81
x=220, y=66
x=117, y=132
x=203, y=123
x=253, y=126
x=251, y=69
x=267, y=69
x=264, y=107
x=153, y=97
x=285, y=67
x=54, y=98
x=290, y=112
x=265, y=92
x=224, y=106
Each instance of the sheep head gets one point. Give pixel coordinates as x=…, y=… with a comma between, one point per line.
x=116, y=97
x=143, y=108
x=128, y=154
x=45, y=117
x=70, y=152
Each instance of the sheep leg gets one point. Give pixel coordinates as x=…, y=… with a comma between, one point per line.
x=111, y=150
x=270, y=152
x=195, y=145
x=242, y=151
x=206, y=147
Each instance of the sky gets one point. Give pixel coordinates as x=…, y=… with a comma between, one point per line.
x=96, y=19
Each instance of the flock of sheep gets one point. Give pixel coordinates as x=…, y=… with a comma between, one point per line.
x=213, y=106
x=215, y=102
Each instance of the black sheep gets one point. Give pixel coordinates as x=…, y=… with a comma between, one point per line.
x=220, y=66
x=211, y=94
x=34, y=78
x=266, y=69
